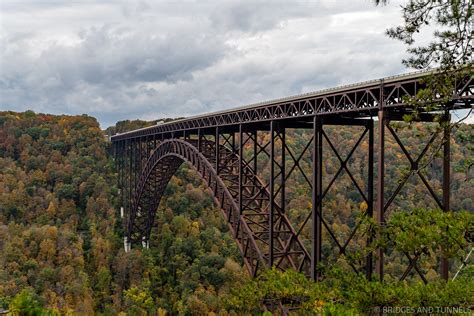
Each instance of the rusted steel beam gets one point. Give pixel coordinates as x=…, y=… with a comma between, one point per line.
x=381, y=188
x=446, y=184
x=317, y=196
x=271, y=215
x=370, y=197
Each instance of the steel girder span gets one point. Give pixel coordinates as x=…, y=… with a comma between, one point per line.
x=249, y=224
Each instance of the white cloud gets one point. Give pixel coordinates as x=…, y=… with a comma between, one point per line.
x=148, y=59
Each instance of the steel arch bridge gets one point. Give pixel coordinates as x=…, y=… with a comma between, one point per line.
x=226, y=149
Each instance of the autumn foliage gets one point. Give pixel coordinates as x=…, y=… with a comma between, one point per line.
x=61, y=235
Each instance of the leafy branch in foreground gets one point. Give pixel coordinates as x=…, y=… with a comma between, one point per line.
x=450, y=51
x=344, y=294
x=429, y=232
x=421, y=232
x=452, y=39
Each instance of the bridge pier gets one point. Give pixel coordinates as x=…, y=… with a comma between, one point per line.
x=271, y=216
x=217, y=144
x=415, y=169
x=319, y=192
x=444, y=265
x=145, y=243
x=381, y=188
x=127, y=245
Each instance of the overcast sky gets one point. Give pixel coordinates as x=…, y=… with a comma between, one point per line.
x=120, y=60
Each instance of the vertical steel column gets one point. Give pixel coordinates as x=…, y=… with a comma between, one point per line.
x=155, y=185
x=135, y=165
x=317, y=203
x=121, y=175
x=140, y=149
x=446, y=185
x=272, y=194
x=125, y=181
x=115, y=156
x=129, y=200
x=151, y=146
x=241, y=151
x=116, y=149
x=124, y=175
x=216, y=140
x=283, y=162
x=370, y=197
x=380, y=189
x=319, y=191
x=233, y=142
x=148, y=150
x=144, y=140
x=199, y=139
x=255, y=161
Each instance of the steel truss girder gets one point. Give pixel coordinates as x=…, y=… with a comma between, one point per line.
x=354, y=101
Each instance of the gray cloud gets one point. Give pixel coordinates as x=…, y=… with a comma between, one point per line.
x=147, y=59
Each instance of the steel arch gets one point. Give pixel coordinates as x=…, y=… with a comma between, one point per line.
x=249, y=233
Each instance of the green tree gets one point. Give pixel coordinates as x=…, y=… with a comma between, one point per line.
x=139, y=301
x=450, y=48
x=450, y=51
x=452, y=43
x=26, y=303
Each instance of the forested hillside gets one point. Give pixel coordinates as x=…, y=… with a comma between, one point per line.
x=60, y=236
x=58, y=222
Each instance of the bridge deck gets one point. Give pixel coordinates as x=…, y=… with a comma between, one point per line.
x=355, y=100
